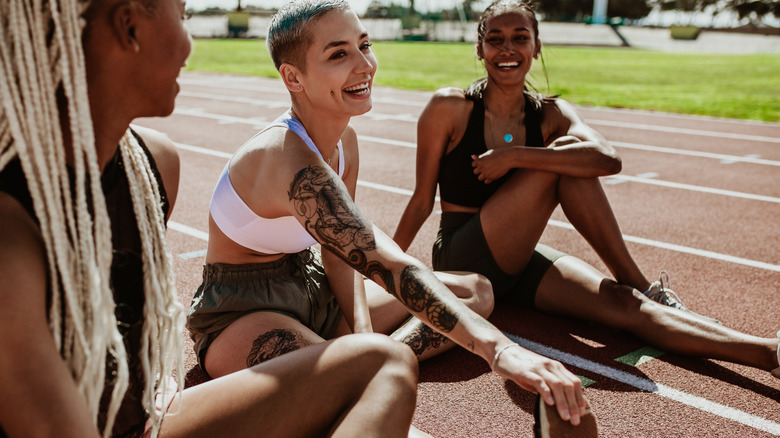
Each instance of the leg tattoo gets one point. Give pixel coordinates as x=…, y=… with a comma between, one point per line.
x=274, y=344
x=423, y=338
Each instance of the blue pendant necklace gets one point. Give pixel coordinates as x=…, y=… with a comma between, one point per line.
x=507, y=137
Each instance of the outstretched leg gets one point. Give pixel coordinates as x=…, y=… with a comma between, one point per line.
x=389, y=316
x=572, y=287
x=354, y=386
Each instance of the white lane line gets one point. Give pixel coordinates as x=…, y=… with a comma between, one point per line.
x=274, y=103
x=385, y=188
x=646, y=385
x=192, y=254
x=188, y=230
x=413, y=119
x=405, y=144
x=282, y=92
x=687, y=131
x=641, y=240
x=694, y=188
x=602, y=370
x=260, y=123
x=719, y=157
x=684, y=249
x=204, y=151
x=255, y=84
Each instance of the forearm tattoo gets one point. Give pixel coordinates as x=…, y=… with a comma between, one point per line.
x=415, y=293
x=424, y=338
x=274, y=344
x=334, y=221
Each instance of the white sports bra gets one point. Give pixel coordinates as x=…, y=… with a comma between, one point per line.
x=283, y=235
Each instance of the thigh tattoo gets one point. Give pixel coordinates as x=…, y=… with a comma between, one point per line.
x=424, y=338
x=274, y=344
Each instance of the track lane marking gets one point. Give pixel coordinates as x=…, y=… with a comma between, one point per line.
x=647, y=385
x=260, y=123
x=683, y=249
x=413, y=119
x=720, y=157
x=553, y=222
x=686, y=131
x=640, y=383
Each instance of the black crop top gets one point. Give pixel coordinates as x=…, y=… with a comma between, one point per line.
x=457, y=182
x=126, y=278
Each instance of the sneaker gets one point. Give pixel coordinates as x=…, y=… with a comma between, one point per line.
x=776, y=371
x=662, y=294
x=548, y=424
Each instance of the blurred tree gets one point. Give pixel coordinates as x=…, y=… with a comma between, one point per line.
x=580, y=10
x=629, y=9
x=377, y=9
x=754, y=10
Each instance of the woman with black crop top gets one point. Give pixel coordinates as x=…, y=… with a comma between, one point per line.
x=504, y=158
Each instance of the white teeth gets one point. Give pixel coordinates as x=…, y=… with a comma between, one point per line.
x=359, y=87
x=508, y=64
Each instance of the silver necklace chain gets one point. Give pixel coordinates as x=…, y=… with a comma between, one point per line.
x=332, y=154
x=507, y=137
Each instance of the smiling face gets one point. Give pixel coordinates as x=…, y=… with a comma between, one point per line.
x=339, y=66
x=509, y=47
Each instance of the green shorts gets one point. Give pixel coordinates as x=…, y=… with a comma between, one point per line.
x=294, y=285
x=461, y=246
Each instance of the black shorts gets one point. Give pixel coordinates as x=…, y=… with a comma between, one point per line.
x=461, y=246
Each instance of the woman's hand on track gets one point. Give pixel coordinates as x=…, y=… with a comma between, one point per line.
x=536, y=373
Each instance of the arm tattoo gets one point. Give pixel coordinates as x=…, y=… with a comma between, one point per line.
x=415, y=293
x=274, y=344
x=334, y=221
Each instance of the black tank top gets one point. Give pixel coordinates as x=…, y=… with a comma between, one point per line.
x=457, y=182
x=126, y=278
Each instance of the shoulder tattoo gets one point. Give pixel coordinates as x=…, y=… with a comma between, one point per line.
x=334, y=221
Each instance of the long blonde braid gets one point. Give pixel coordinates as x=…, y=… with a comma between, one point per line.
x=41, y=54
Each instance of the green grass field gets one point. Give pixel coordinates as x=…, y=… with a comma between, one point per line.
x=734, y=86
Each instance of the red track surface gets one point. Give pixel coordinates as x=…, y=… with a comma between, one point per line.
x=712, y=193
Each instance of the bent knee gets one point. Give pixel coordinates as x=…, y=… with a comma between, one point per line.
x=383, y=349
x=484, y=297
x=474, y=290
x=386, y=360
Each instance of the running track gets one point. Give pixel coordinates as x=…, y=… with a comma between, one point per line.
x=699, y=197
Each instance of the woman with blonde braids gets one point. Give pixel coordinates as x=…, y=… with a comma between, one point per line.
x=90, y=321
